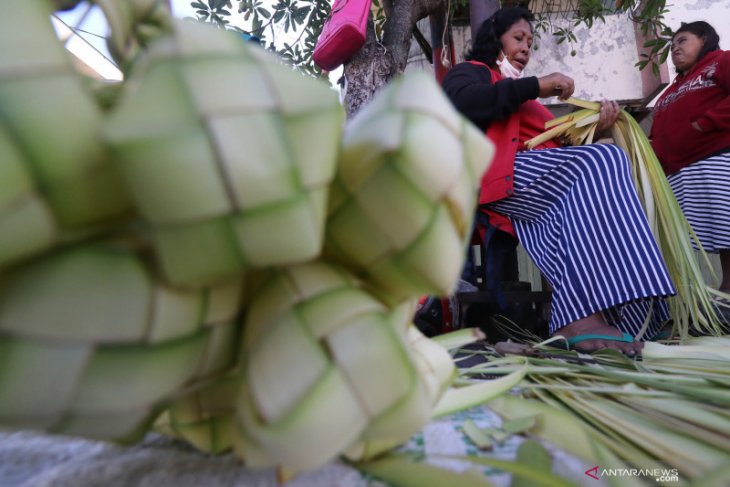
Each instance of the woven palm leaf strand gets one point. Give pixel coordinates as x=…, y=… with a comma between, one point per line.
x=405, y=194
x=346, y=361
x=134, y=25
x=206, y=417
x=56, y=178
x=93, y=344
x=227, y=153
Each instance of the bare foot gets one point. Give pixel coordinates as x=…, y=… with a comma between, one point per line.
x=596, y=325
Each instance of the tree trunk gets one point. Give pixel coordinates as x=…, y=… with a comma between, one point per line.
x=377, y=63
x=365, y=73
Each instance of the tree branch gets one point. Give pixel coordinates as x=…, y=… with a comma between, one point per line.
x=399, y=27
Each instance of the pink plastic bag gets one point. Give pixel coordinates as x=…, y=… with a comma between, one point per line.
x=343, y=33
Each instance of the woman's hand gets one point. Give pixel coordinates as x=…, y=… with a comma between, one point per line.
x=607, y=115
x=556, y=84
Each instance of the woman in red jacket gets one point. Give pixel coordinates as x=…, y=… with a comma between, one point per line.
x=691, y=137
x=571, y=207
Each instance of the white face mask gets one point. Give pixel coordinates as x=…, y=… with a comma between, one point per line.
x=507, y=69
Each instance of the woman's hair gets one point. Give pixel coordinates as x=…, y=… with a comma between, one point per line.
x=704, y=31
x=487, y=44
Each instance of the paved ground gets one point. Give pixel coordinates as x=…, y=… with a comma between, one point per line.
x=36, y=460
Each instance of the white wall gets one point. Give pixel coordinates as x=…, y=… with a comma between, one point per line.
x=606, y=54
x=603, y=66
x=716, y=12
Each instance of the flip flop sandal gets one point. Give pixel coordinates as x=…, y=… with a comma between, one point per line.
x=663, y=334
x=569, y=342
x=625, y=337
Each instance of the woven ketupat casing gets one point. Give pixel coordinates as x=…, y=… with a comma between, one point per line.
x=92, y=344
x=404, y=196
x=57, y=181
x=228, y=154
x=312, y=326
x=205, y=418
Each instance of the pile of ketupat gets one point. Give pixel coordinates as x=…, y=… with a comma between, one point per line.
x=209, y=250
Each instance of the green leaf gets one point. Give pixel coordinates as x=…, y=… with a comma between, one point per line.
x=520, y=425
x=497, y=434
x=256, y=25
x=664, y=55
x=400, y=471
x=534, y=454
x=537, y=476
x=476, y=435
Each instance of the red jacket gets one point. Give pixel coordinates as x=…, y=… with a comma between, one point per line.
x=509, y=136
x=702, y=95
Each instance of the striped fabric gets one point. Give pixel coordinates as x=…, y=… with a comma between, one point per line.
x=703, y=192
x=576, y=213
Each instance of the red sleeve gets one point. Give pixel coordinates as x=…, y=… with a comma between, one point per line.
x=718, y=118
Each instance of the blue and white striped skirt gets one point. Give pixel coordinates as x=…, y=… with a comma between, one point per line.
x=703, y=192
x=576, y=213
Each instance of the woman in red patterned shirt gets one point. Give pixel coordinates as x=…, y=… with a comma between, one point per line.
x=691, y=137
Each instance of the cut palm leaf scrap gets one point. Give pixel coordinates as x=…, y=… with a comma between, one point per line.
x=668, y=410
x=404, y=471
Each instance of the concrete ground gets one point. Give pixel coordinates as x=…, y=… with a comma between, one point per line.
x=29, y=459
x=36, y=460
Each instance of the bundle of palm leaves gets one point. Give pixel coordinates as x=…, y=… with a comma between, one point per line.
x=668, y=410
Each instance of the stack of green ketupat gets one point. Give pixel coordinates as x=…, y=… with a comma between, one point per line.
x=217, y=254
